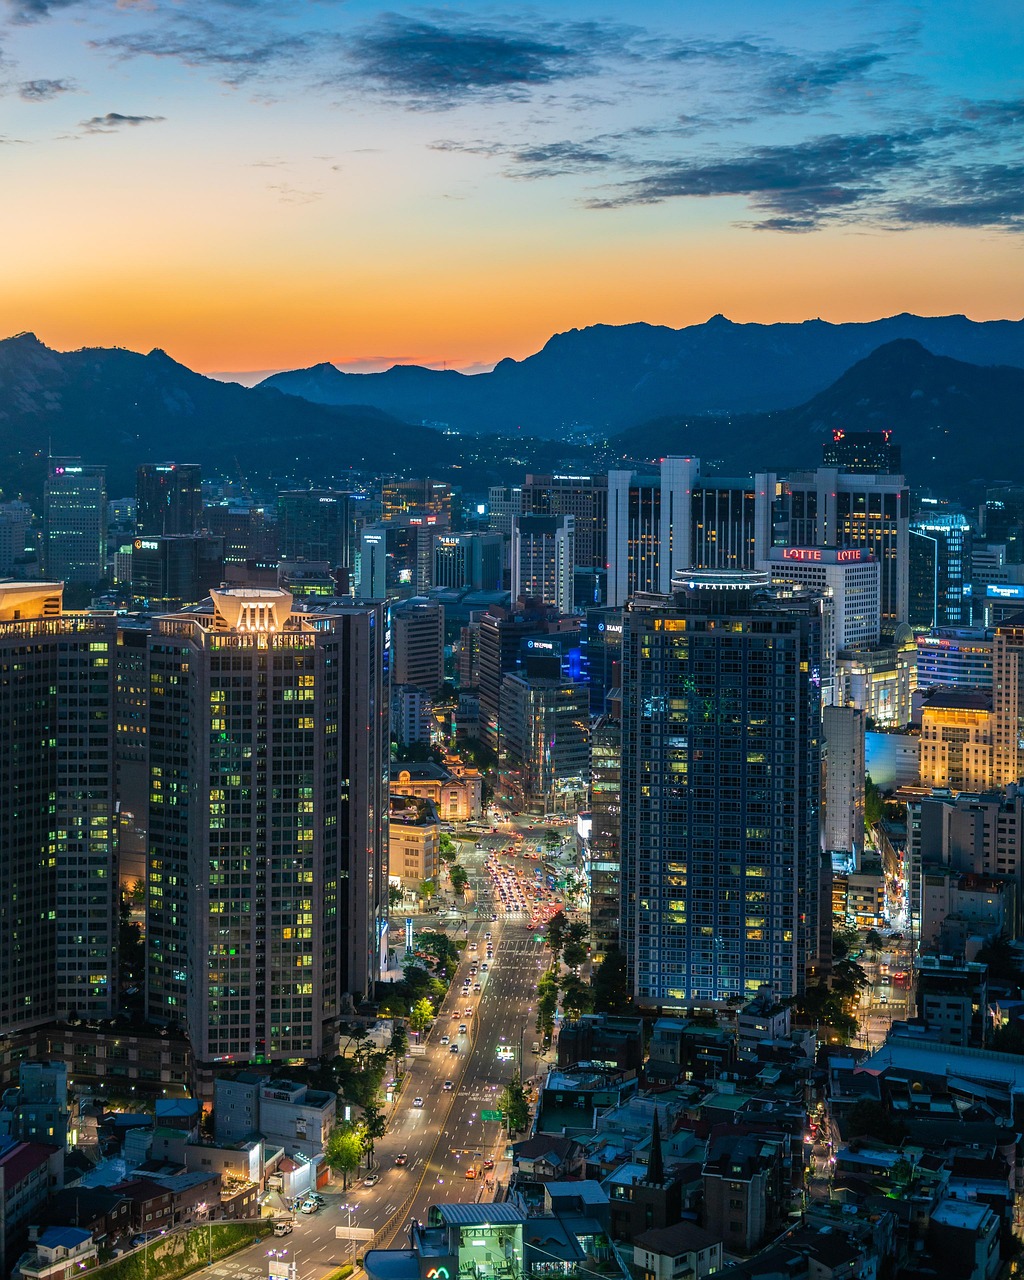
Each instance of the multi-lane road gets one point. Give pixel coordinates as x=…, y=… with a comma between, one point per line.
x=446, y=1136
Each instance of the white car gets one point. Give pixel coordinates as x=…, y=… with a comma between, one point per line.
x=417, y=1102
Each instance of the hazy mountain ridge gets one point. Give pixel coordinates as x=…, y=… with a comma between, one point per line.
x=613, y=377
x=955, y=422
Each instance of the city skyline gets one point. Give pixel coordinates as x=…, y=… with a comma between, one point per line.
x=266, y=186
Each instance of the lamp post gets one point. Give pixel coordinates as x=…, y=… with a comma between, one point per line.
x=274, y=1274
x=350, y=1209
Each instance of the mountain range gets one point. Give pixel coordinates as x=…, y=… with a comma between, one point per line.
x=610, y=378
x=958, y=423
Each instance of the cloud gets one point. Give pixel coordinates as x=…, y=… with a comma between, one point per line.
x=439, y=65
x=44, y=90
x=539, y=160
x=293, y=195
x=977, y=196
x=804, y=82
x=798, y=186
x=114, y=120
x=26, y=11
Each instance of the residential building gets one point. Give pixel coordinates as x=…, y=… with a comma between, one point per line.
x=30, y=1172
x=952, y=998
x=267, y=864
x=168, y=499
x=742, y=1190
x=843, y=731
x=544, y=560
x=75, y=522
x=680, y=1252
x=60, y=1253
x=414, y=841
x=721, y=777
x=58, y=809
x=417, y=643
x=604, y=846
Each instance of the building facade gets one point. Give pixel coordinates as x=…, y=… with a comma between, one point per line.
x=75, y=522
x=168, y=499
x=544, y=560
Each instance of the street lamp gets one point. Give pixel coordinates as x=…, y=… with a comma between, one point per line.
x=350, y=1209
x=276, y=1273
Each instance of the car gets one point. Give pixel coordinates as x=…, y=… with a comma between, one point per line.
x=310, y=1207
x=488, y=1164
x=417, y=1102
x=468, y=1011
x=453, y=1048
x=476, y=986
x=282, y=1228
x=372, y=1180
x=484, y=967
x=487, y=937
x=462, y=1028
x=883, y=999
x=445, y=1039
x=317, y=1199
x=449, y=1085
x=401, y=1159
x=471, y=1173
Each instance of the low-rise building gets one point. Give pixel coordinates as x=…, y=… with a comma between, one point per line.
x=952, y=997
x=60, y=1253
x=455, y=788
x=414, y=840
x=680, y=1252
x=742, y=1190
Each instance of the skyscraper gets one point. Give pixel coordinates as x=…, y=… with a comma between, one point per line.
x=314, y=524
x=268, y=758
x=467, y=560
x=720, y=794
x=58, y=869
x=585, y=498
x=544, y=559
x=417, y=643
x=870, y=452
x=940, y=570
x=168, y=499
x=75, y=522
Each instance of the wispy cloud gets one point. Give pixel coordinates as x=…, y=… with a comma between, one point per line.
x=114, y=120
x=44, y=90
x=26, y=11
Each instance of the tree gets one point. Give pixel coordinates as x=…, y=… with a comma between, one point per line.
x=557, y=927
x=428, y=888
x=447, y=848
x=873, y=940
x=512, y=1101
x=422, y=1015
x=611, y=984
x=575, y=954
x=843, y=942
x=873, y=811
x=577, y=997
x=398, y=1046
x=373, y=1126
x=460, y=878
x=395, y=895
x=551, y=838
x=547, y=1005
x=343, y=1150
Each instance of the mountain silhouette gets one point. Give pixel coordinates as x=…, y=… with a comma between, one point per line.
x=610, y=377
x=122, y=408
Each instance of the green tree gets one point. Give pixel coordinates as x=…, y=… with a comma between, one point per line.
x=551, y=838
x=844, y=941
x=873, y=940
x=460, y=878
x=547, y=1005
x=395, y=895
x=577, y=997
x=422, y=1015
x=428, y=888
x=398, y=1046
x=372, y=1127
x=447, y=848
x=611, y=984
x=557, y=927
x=873, y=811
x=131, y=947
x=343, y=1150
x=512, y=1101
x=574, y=954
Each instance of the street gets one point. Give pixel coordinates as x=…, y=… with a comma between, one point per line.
x=446, y=1136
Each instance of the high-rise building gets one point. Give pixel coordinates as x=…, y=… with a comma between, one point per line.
x=605, y=813
x=170, y=572
x=958, y=657
x=830, y=507
x=268, y=759
x=168, y=499
x=417, y=643
x=249, y=531
x=870, y=452
x=880, y=679
x=843, y=731
x=420, y=497
x=721, y=790
x=585, y=498
x=58, y=872
x=314, y=524
x=504, y=503
x=940, y=570
x=603, y=642
x=545, y=742
x=544, y=559
x=676, y=519
x=472, y=561
x=75, y=522
x=1002, y=516
x=15, y=519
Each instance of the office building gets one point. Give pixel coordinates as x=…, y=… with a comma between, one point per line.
x=1008, y=699
x=843, y=731
x=940, y=571
x=544, y=560
x=58, y=873
x=470, y=561
x=721, y=790
x=75, y=522
x=880, y=679
x=830, y=507
x=863, y=452
x=957, y=749
x=1002, y=520
x=678, y=519
x=602, y=638
x=545, y=743
x=314, y=524
x=249, y=530
x=390, y=556
x=417, y=643
x=411, y=714
x=502, y=632
x=603, y=850
x=957, y=657
x=504, y=503
x=585, y=498
x=168, y=499
x=268, y=760
x=15, y=521
x=170, y=572
x=420, y=497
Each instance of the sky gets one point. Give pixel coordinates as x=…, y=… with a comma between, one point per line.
x=254, y=185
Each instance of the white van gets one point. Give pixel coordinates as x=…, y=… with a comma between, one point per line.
x=282, y=1227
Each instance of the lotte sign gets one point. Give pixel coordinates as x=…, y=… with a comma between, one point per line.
x=846, y=555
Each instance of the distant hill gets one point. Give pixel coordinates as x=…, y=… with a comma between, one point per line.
x=614, y=377
x=121, y=408
x=955, y=422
